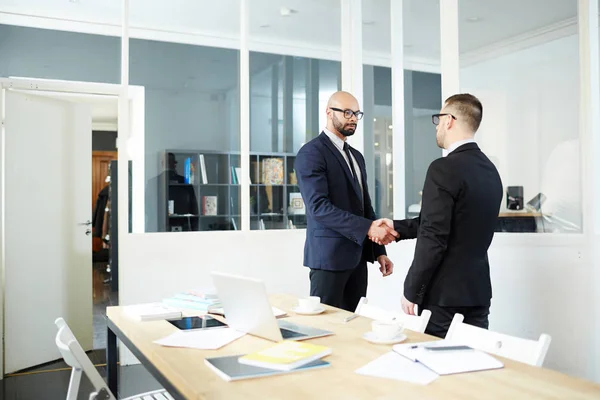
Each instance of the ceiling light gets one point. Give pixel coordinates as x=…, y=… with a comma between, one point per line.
x=265, y=26
x=390, y=127
x=408, y=46
x=74, y=1
x=376, y=144
x=286, y=12
x=473, y=19
x=374, y=119
x=368, y=23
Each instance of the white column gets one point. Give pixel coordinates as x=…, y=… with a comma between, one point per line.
x=245, y=113
x=352, y=71
x=589, y=106
x=449, y=55
x=123, y=135
x=398, y=158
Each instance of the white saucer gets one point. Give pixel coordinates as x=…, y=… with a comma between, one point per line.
x=301, y=311
x=370, y=337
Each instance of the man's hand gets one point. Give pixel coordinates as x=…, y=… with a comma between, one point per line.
x=386, y=265
x=382, y=231
x=407, y=306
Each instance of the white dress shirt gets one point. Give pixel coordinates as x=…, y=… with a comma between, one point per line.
x=339, y=144
x=456, y=145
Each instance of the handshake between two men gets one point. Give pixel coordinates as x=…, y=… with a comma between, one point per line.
x=382, y=231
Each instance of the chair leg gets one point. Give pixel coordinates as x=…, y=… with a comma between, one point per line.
x=74, y=384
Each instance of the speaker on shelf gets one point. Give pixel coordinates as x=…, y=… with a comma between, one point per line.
x=514, y=197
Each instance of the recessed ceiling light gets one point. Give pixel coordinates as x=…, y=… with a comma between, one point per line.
x=473, y=19
x=408, y=46
x=74, y=1
x=368, y=23
x=286, y=12
x=265, y=26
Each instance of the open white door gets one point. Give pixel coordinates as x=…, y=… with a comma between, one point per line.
x=48, y=251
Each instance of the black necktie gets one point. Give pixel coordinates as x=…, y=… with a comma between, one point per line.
x=352, y=170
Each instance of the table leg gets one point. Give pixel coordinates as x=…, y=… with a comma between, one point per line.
x=111, y=362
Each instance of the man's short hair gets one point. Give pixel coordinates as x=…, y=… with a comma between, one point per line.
x=468, y=109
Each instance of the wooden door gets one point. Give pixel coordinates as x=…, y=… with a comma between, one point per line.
x=100, y=166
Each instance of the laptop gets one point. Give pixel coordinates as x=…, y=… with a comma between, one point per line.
x=247, y=309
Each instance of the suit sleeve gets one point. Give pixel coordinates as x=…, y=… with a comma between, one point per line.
x=407, y=228
x=439, y=192
x=312, y=179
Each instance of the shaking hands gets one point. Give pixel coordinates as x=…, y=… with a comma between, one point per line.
x=382, y=231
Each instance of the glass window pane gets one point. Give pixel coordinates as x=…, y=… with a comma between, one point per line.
x=422, y=97
x=192, y=134
x=288, y=97
x=530, y=128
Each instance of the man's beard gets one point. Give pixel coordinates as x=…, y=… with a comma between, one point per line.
x=440, y=139
x=347, y=130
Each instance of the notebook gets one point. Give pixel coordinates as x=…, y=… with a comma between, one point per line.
x=286, y=355
x=230, y=369
x=447, y=359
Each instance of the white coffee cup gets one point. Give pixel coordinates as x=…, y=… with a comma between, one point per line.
x=309, y=303
x=386, y=330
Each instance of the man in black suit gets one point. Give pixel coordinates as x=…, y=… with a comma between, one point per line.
x=340, y=218
x=461, y=199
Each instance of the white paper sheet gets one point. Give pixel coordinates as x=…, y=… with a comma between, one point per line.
x=209, y=339
x=395, y=366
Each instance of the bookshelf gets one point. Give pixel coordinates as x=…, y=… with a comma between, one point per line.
x=200, y=191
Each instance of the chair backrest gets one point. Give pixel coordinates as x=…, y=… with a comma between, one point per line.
x=76, y=358
x=531, y=352
x=412, y=322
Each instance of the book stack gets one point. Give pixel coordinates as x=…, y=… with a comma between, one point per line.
x=193, y=300
x=152, y=311
x=284, y=357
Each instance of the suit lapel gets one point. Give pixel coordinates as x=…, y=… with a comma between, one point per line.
x=336, y=153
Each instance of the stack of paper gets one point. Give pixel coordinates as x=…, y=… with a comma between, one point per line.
x=394, y=366
x=193, y=301
x=209, y=339
x=152, y=311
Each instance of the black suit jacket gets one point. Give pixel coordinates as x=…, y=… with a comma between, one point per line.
x=461, y=199
x=338, y=220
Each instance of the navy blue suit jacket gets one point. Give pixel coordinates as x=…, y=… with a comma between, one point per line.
x=337, y=221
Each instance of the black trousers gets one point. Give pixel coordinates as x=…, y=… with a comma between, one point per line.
x=342, y=289
x=441, y=317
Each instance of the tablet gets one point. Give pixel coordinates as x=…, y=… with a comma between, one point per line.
x=203, y=322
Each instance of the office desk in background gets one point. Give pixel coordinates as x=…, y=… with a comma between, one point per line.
x=518, y=221
x=183, y=372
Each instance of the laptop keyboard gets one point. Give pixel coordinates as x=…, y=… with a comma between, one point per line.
x=287, y=334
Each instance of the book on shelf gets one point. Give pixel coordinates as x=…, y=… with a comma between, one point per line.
x=202, y=165
x=286, y=355
x=209, y=205
x=272, y=171
x=238, y=173
x=230, y=369
x=234, y=176
x=296, y=206
x=188, y=171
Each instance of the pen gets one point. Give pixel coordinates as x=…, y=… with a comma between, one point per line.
x=350, y=318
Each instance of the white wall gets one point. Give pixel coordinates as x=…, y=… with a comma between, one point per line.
x=531, y=108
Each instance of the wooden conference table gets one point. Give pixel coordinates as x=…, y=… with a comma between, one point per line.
x=184, y=374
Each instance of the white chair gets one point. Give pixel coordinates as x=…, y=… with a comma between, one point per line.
x=531, y=352
x=76, y=358
x=412, y=322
